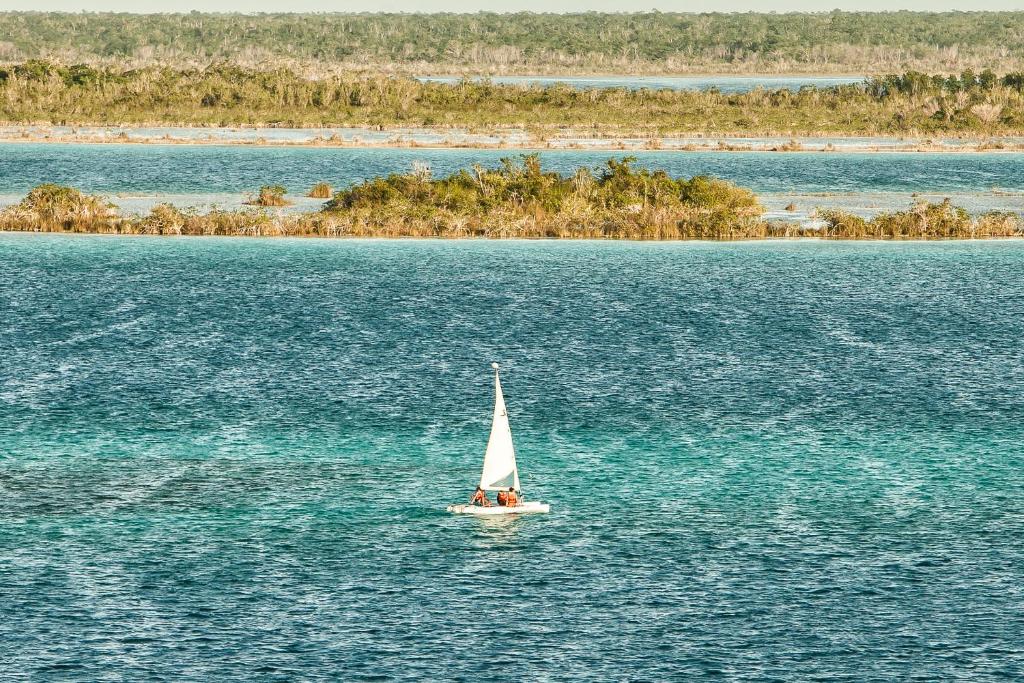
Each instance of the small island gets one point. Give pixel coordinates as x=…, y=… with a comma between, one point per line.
x=519, y=199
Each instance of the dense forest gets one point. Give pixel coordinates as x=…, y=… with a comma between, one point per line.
x=848, y=42
x=516, y=200
x=978, y=104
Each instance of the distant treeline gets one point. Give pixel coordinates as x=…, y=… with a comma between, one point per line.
x=517, y=200
x=653, y=42
x=917, y=83
x=982, y=103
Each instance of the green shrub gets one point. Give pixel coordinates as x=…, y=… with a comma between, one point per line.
x=56, y=207
x=320, y=191
x=270, y=195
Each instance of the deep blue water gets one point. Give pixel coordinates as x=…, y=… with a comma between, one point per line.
x=228, y=459
x=729, y=84
x=181, y=169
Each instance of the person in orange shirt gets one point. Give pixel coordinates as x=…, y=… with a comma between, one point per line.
x=511, y=499
x=480, y=497
x=502, y=498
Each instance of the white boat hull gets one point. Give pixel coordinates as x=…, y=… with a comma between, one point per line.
x=526, y=507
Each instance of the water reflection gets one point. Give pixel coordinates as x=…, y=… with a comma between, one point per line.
x=497, y=532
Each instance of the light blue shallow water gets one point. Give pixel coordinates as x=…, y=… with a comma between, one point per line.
x=730, y=84
x=210, y=169
x=228, y=459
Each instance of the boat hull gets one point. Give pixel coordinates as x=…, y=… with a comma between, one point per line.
x=524, y=508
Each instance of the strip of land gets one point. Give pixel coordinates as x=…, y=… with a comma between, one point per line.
x=502, y=138
x=517, y=200
x=970, y=106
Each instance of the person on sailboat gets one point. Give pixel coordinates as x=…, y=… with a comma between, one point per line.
x=480, y=497
x=511, y=499
x=502, y=498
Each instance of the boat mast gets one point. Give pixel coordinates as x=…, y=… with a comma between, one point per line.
x=499, y=471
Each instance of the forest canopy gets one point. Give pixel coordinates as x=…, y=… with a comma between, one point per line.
x=655, y=42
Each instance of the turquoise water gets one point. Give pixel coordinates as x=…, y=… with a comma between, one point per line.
x=211, y=169
x=731, y=84
x=228, y=459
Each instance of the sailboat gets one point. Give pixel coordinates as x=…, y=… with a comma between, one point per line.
x=500, y=472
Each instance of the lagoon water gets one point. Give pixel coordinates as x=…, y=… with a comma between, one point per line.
x=228, y=459
x=139, y=176
x=728, y=84
x=180, y=169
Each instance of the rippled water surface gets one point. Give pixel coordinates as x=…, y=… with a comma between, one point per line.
x=178, y=169
x=135, y=177
x=228, y=459
x=722, y=83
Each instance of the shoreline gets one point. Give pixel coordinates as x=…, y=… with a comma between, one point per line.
x=562, y=73
x=506, y=139
x=783, y=206
x=472, y=239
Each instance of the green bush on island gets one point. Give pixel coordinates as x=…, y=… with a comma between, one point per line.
x=911, y=103
x=519, y=198
x=163, y=219
x=923, y=221
x=270, y=195
x=166, y=219
x=50, y=207
x=320, y=191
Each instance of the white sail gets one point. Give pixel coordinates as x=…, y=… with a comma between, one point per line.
x=500, y=470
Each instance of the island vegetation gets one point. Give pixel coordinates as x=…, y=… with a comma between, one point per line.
x=970, y=103
x=270, y=195
x=519, y=199
x=481, y=43
x=320, y=190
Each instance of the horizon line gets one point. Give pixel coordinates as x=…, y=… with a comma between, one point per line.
x=510, y=12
